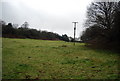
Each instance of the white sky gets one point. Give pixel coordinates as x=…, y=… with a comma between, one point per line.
x=51, y=15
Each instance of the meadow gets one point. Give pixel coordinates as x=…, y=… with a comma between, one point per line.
x=45, y=59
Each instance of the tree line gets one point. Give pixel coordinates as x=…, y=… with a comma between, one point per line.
x=12, y=31
x=103, y=25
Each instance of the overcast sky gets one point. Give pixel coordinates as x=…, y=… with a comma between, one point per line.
x=51, y=15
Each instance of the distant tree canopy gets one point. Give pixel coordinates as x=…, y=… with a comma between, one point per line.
x=65, y=38
x=103, y=25
x=13, y=31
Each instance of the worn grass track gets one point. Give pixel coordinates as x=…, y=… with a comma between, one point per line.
x=43, y=59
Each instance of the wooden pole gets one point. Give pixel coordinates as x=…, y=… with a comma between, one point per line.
x=74, y=30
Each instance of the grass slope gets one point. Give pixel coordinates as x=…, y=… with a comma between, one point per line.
x=42, y=59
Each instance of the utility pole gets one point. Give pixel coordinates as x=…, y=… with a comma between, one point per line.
x=74, y=30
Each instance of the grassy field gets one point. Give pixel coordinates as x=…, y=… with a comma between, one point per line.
x=43, y=59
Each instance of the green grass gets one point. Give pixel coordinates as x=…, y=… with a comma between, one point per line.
x=43, y=59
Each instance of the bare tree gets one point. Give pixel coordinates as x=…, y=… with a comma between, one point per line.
x=15, y=25
x=25, y=25
x=102, y=14
x=2, y=22
x=103, y=21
